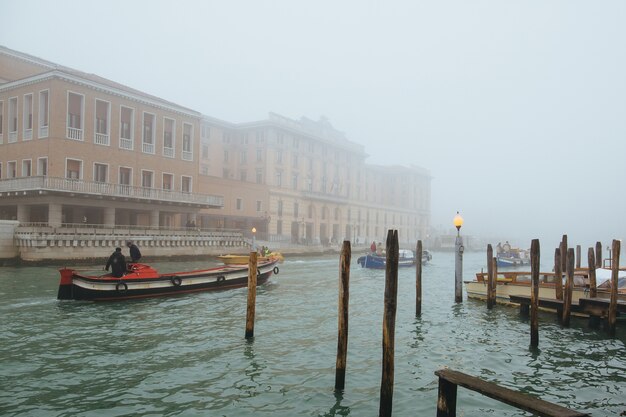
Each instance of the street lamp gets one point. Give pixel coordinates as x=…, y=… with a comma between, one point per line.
x=458, y=259
x=254, y=238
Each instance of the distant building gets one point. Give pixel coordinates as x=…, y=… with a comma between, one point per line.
x=77, y=148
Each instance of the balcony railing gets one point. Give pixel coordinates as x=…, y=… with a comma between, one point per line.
x=43, y=132
x=67, y=185
x=101, y=139
x=12, y=137
x=168, y=152
x=75, y=134
x=187, y=156
x=126, y=143
x=28, y=134
x=148, y=147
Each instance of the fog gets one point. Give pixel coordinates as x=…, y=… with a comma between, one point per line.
x=517, y=109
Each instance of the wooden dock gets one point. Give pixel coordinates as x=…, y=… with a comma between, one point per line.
x=593, y=307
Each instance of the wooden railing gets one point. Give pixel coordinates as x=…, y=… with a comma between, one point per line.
x=450, y=379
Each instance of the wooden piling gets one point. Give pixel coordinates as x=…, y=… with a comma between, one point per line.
x=593, y=284
x=389, y=324
x=614, y=281
x=418, y=279
x=577, y=256
x=564, y=253
x=558, y=275
x=494, y=283
x=534, y=293
x=252, y=271
x=569, y=287
x=490, y=296
x=342, y=327
x=598, y=254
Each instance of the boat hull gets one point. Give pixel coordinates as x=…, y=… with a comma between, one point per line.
x=380, y=262
x=146, y=282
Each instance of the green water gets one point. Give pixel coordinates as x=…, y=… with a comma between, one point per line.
x=187, y=355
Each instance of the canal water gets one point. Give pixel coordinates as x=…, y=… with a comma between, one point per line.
x=187, y=355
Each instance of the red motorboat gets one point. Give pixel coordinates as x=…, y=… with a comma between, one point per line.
x=143, y=281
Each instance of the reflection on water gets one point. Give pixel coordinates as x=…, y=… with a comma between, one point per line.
x=187, y=356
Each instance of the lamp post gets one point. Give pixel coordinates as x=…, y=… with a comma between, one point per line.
x=458, y=259
x=254, y=238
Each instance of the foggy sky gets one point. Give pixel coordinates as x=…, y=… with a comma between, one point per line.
x=518, y=109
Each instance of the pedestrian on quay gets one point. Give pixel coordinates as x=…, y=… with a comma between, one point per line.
x=135, y=253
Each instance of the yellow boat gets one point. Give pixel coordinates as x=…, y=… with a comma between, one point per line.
x=244, y=259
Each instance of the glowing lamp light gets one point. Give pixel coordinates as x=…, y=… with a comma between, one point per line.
x=458, y=221
x=254, y=230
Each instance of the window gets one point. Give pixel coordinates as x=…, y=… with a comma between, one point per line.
x=146, y=179
x=75, y=108
x=296, y=208
x=149, y=121
x=103, y=115
x=259, y=176
x=11, y=169
x=42, y=166
x=168, y=182
x=280, y=207
x=295, y=161
x=187, y=142
x=125, y=180
x=259, y=206
x=294, y=181
x=243, y=175
x=239, y=204
x=127, y=127
x=279, y=179
x=309, y=184
x=243, y=157
x=13, y=119
x=185, y=184
x=225, y=156
x=73, y=169
x=279, y=156
x=100, y=172
x=205, y=151
x=259, y=155
x=206, y=131
x=169, y=137
x=44, y=113
x=27, y=114
x=27, y=166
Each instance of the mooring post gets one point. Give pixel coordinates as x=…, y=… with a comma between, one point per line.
x=593, y=284
x=578, y=256
x=494, y=283
x=534, y=293
x=389, y=324
x=564, y=253
x=252, y=271
x=342, y=332
x=598, y=254
x=569, y=287
x=418, y=279
x=446, y=398
x=558, y=275
x=490, y=295
x=458, y=259
x=614, y=281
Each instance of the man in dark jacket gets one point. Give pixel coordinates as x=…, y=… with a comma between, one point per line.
x=135, y=253
x=117, y=262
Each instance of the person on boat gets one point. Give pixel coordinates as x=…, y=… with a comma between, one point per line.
x=379, y=249
x=117, y=262
x=135, y=253
x=373, y=246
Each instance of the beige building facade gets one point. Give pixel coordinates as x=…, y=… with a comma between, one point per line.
x=76, y=148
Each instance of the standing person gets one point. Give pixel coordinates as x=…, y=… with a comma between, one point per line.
x=373, y=246
x=135, y=253
x=117, y=262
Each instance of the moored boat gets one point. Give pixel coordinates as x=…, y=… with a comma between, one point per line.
x=142, y=281
x=518, y=283
x=406, y=257
x=507, y=256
